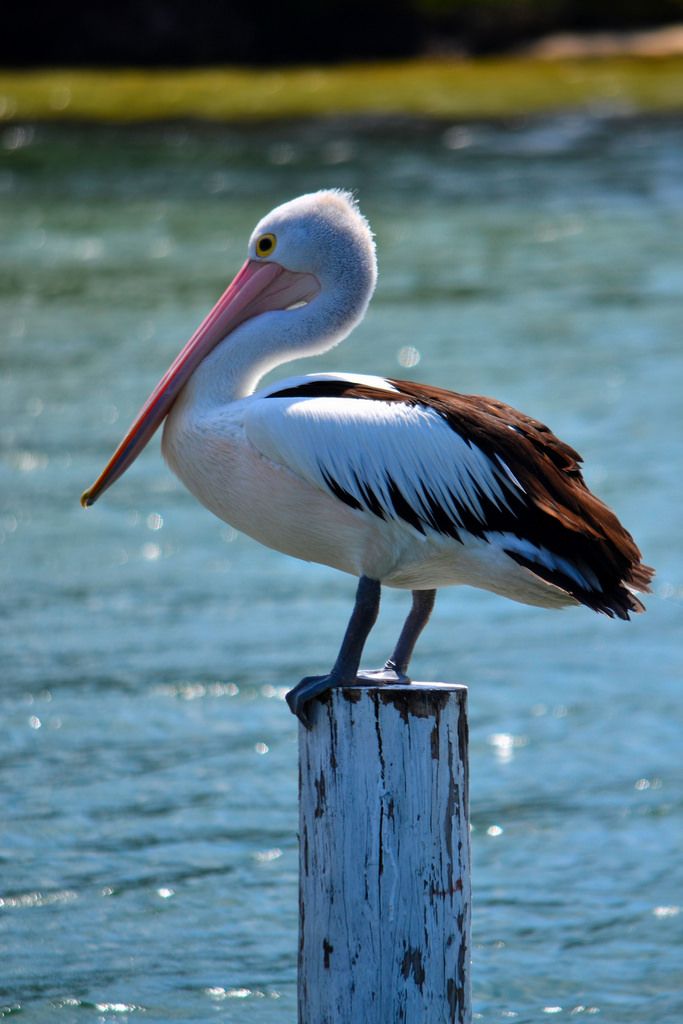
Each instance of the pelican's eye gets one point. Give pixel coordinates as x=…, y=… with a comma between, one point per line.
x=265, y=245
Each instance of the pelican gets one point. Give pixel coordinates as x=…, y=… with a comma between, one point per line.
x=397, y=483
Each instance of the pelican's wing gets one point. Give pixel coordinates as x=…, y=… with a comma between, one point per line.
x=383, y=455
x=452, y=464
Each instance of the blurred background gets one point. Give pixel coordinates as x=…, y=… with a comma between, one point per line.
x=522, y=166
x=181, y=33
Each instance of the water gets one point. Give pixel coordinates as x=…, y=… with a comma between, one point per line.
x=148, y=762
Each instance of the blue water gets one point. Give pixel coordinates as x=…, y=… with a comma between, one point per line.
x=148, y=859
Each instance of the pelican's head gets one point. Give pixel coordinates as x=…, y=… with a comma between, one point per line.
x=322, y=233
x=315, y=251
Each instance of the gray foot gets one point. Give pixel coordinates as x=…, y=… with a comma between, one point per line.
x=311, y=686
x=306, y=690
x=381, y=676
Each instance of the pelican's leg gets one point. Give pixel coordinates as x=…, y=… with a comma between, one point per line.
x=396, y=668
x=418, y=617
x=345, y=669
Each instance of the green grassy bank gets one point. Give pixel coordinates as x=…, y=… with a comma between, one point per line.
x=495, y=87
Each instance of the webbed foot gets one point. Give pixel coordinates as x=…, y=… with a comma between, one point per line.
x=311, y=686
x=386, y=676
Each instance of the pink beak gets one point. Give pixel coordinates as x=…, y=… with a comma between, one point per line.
x=259, y=287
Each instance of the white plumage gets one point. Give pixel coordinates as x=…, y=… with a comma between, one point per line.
x=397, y=483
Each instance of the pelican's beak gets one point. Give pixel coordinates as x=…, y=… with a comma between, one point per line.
x=259, y=287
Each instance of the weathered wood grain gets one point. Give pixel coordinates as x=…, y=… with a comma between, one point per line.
x=385, y=857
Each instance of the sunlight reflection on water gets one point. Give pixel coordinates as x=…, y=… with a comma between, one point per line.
x=149, y=768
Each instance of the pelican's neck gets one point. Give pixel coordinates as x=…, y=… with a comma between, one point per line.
x=234, y=368
x=236, y=365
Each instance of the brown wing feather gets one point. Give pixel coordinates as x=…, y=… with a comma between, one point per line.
x=555, y=511
x=570, y=520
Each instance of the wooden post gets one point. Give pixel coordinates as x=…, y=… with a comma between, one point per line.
x=384, y=857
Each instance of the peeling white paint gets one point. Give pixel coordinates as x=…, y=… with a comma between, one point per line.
x=385, y=888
